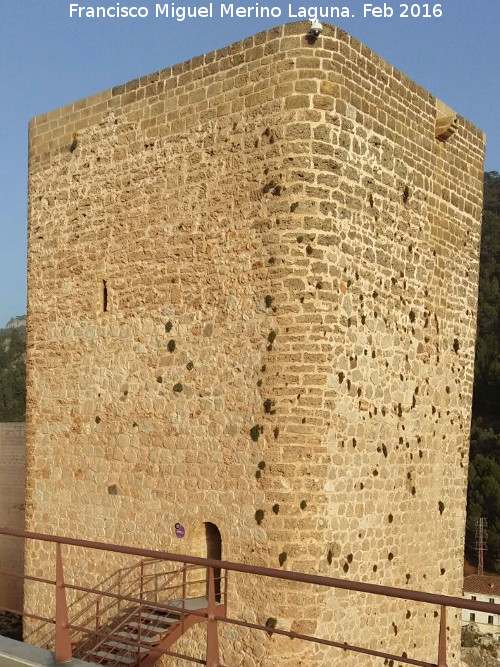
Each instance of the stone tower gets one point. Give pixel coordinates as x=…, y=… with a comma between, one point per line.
x=252, y=305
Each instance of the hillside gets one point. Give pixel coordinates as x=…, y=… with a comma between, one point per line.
x=484, y=470
x=12, y=372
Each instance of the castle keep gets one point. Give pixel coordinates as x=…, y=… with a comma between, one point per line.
x=252, y=305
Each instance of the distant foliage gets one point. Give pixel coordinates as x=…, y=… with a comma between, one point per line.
x=12, y=374
x=484, y=470
x=487, y=374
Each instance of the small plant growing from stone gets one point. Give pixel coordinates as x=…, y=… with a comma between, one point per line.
x=303, y=504
x=168, y=326
x=271, y=623
x=259, y=383
x=271, y=337
x=261, y=465
x=276, y=508
x=97, y=420
x=269, y=406
x=263, y=368
x=255, y=432
x=282, y=558
x=190, y=365
x=294, y=206
x=309, y=250
x=300, y=239
x=258, y=474
x=259, y=516
x=268, y=300
x=135, y=424
x=171, y=345
x=178, y=388
x=269, y=186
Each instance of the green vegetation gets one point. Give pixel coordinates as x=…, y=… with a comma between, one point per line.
x=12, y=374
x=271, y=622
x=259, y=516
x=487, y=374
x=484, y=470
x=255, y=432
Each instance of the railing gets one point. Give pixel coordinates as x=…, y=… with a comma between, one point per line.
x=212, y=614
x=111, y=583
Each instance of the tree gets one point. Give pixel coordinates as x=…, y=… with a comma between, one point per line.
x=12, y=374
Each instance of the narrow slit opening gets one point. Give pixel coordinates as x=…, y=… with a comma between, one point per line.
x=104, y=297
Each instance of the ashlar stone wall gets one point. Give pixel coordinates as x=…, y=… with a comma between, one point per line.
x=252, y=303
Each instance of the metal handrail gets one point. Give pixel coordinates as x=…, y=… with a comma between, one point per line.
x=214, y=614
x=330, y=582
x=47, y=638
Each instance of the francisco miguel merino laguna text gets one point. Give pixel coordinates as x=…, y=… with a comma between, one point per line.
x=230, y=10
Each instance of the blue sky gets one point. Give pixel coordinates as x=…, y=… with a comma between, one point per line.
x=48, y=59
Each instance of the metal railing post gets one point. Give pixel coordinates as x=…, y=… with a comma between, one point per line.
x=141, y=589
x=225, y=589
x=63, y=638
x=97, y=618
x=212, y=656
x=442, y=638
x=184, y=595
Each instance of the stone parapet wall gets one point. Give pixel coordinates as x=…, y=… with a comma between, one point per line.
x=252, y=301
x=12, y=475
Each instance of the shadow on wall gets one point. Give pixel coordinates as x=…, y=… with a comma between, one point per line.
x=214, y=550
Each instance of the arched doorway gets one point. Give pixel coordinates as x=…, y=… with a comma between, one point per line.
x=214, y=550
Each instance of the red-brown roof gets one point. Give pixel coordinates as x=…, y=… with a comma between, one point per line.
x=485, y=584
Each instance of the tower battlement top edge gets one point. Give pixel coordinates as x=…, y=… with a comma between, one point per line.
x=231, y=51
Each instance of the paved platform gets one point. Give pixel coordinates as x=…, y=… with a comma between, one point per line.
x=16, y=654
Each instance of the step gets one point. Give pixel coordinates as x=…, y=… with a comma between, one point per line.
x=191, y=603
x=133, y=637
x=147, y=627
x=160, y=617
x=115, y=657
x=126, y=647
